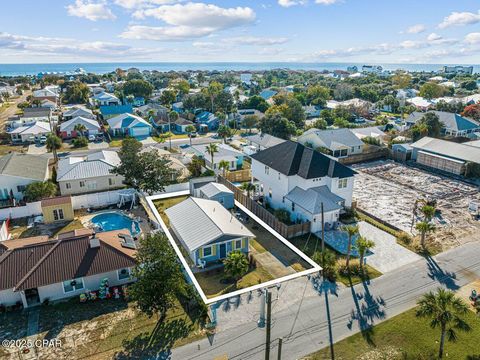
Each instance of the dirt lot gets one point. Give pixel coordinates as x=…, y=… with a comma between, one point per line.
x=388, y=190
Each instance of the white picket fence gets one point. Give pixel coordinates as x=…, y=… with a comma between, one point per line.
x=92, y=201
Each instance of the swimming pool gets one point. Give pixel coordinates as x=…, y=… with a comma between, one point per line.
x=115, y=221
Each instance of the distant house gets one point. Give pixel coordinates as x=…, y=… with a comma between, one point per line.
x=181, y=125
x=77, y=110
x=89, y=173
x=312, y=111
x=62, y=267
x=225, y=153
x=420, y=103
x=445, y=155
x=471, y=99
x=261, y=142
x=218, y=192
x=338, y=142
x=210, y=232
x=453, y=124
x=157, y=109
x=109, y=111
x=68, y=128
x=406, y=94
x=371, y=132
x=48, y=93
x=48, y=104
x=246, y=78
x=180, y=171
x=207, y=121
x=294, y=177
x=30, y=134
x=161, y=123
x=129, y=125
x=268, y=95
x=19, y=170
x=458, y=70
x=106, y=99
x=32, y=115
x=178, y=107
x=356, y=102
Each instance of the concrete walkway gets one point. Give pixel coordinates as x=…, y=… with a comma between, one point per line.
x=387, y=255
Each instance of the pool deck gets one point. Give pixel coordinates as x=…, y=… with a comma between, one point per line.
x=134, y=214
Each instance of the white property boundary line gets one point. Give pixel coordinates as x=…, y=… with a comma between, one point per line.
x=315, y=267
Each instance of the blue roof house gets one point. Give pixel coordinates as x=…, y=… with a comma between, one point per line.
x=109, y=111
x=207, y=119
x=267, y=94
x=129, y=125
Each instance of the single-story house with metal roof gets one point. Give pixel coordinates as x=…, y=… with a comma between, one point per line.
x=19, y=170
x=109, y=111
x=68, y=128
x=30, y=133
x=129, y=125
x=89, y=173
x=225, y=152
x=445, y=155
x=207, y=121
x=78, y=110
x=218, y=192
x=35, y=269
x=181, y=124
x=105, y=98
x=207, y=230
x=453, y=124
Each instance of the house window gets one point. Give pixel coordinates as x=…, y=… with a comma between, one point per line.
x=342, y=183
x=82, y=184
x=111, y=181
x=123, y=274
x=293, y=206
x=68, y=185
x=238, y=244
x=21, y=188
x=267, y=170
x=270, y=193
x=58, y=214
x=72, y=285
x=91, y=185
x=207, y=251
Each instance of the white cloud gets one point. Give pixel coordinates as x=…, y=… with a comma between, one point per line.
x=138, y=4
x=90, y=10
x=326, y=2
x=188, y=21
x=258, y=41
x=416, y=29
x=288, y=3
x=473, y=38
x=460, y=19
x=434, y=37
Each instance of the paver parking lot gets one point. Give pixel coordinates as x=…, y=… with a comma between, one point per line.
x=389, y=190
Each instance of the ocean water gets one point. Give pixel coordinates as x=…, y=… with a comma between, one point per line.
x=102, y=68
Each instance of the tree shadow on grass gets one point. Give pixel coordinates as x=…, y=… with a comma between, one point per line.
x=435, y=272
x=368, y=308
x=157, y=344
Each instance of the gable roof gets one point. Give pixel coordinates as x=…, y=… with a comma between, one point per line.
x=214, y=188
x=36, y=112
x=78, y=111
x=40, y=127
x=83, y=167
x=126, y=120
x=292, y=158
x=334, y=138
x=267, y=94
x=43, y=263
x=24, y=165
x=207, y=221
x=265, y=140
x=90, y=124
x=312, y=199
x=450, y=120
x=115, y=109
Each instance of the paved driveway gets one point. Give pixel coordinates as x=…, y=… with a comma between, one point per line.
x=97, y=145
x=387, y=255
x=35, y=149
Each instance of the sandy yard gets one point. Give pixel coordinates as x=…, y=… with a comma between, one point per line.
x=388, y=190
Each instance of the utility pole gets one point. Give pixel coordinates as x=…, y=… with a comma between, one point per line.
x=269, y=323
x=279, y=353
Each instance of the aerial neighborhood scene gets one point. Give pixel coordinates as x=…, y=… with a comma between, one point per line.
x=213, y=180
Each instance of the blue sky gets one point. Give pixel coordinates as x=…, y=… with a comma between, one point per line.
x=376, y=31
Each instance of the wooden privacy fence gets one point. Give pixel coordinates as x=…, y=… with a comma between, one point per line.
x=287, y=231
x=372, y=154
x=239, y=175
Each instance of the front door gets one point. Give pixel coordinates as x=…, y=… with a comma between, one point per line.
x=32, y=297
x=223, y=251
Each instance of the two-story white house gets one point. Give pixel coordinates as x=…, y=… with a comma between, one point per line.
x=294, y=177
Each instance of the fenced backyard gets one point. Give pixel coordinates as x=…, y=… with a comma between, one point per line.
x=287, y=231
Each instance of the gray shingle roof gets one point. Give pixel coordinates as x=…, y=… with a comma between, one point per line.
x=200, y=222
x=312, y=199
x=24, y=165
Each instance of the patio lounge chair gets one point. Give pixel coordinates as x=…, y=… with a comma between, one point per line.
x=201, y=263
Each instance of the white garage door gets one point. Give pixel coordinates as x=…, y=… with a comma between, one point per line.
x=140, y=131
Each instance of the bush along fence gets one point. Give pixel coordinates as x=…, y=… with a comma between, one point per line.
x=287, y=231
x=379, y=223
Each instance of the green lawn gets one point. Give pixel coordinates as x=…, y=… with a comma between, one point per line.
x=115, y=143
x=405, y=337
x=370, y=273
x=106, y=329
x=164, y=204
x=5, y=149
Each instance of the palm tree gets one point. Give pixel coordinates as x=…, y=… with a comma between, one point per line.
x=224, y=131
x=224, y=165
x=172, y=116
x=446, y=311
x=248, y=187
x=53, y=144
x=212, y=148
x=351, y=230
x=424, y=227
x=363, y=245
x=190, y=129
x=328, y=261
x=428, y=212
x=236, y=264
x=80, y=128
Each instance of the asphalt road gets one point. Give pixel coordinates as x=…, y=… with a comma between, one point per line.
x=313, y=323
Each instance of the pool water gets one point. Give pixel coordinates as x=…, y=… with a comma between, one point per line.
x=115, y=221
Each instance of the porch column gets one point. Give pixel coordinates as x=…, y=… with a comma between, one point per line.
x=24, y=299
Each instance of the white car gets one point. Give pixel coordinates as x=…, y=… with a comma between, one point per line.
x=91, y=137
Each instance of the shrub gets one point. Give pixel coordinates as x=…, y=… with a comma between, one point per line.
x=404, y=238
x=353, y=269
x=282, y=215
x=79, y=142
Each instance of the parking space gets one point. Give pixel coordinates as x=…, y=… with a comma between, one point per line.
x=389, y=191
x=37, y=149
